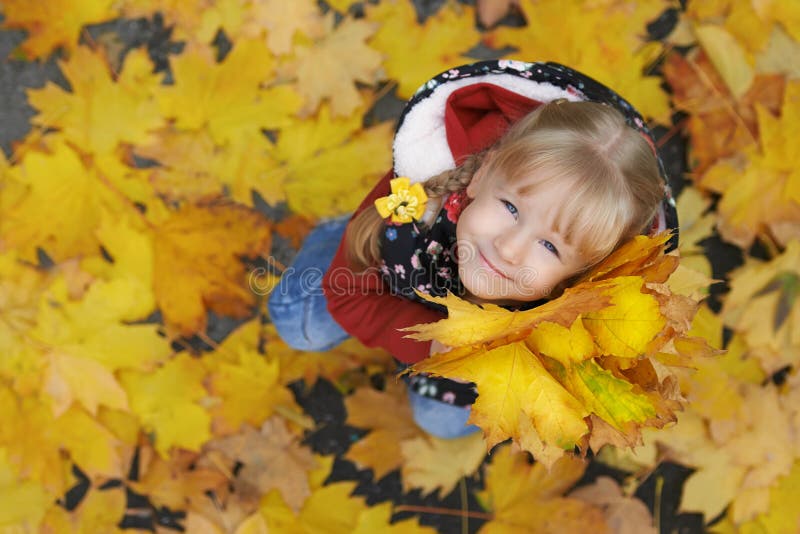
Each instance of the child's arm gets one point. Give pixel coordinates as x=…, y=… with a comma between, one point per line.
x=363, y=306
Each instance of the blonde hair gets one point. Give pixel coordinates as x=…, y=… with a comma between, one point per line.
x=608, y=168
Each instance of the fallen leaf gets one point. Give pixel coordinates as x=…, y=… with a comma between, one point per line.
x=524, y=497
x=54, y=24
x=61, y=208
x=624, y=514
x=728, y=58
x=272, y=458
x=227, y=97
x=329, y=69
x=25, y=501
x=166, y=402
x=367, y=409
x=197, y=265
x=178, y=482
x=605, y=43
x=437, y=465
x=281, y=21
x=102, y=109
x=439, y=44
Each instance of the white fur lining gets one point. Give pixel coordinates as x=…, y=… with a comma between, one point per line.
x=420, y=145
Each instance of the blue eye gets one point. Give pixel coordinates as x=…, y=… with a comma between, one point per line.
x=549, y=246
x=512, y=209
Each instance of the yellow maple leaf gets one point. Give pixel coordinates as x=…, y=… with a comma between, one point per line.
x=61, y=208
x=576, y=370
x=332, y=364
x=129, y=276
x=24, y=501
x=514, y=385
x=331, y=509
x=696, y=225
x=66, y=379
x=34, y=446
x=328, y=509
x=165, y=401
x=378, y=518
x=100, y=111
x=612, y=327
x=336, y=180
x=21, y=288
x=100, y=510
x=602, y=37
x=727, y=56
x=53, y=24
x=282, y=20
x=226, y=97
x=437, y=465
x=468, y=324
x=763, y=306
x=91, y=445
x=193, y=166
x=197, y=263
x=783, y=514
x=524, y=497
x=438, y=44
x=185, y=15
x=249, y=390
x=567, y=345
x=770, y=175
x=329, y=69
x=221, y=15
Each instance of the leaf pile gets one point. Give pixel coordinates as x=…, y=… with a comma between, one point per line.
x=173, y=165
x=589, y=368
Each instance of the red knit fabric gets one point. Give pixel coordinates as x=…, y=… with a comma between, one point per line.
x=475, y=117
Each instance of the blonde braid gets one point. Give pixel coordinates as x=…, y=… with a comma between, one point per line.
x=454, y=179
x=363, y=233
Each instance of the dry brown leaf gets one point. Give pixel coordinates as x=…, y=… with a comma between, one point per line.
x=272, y=458
x=624, y=515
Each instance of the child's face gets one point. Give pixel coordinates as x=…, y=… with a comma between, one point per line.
x=507, y=249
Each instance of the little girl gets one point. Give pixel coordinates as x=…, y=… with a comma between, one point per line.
x=532, y=173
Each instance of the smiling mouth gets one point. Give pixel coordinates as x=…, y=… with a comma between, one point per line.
x=493, y=268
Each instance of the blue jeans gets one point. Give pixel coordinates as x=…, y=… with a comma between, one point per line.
x=297, y=306
x=439, y=418
x=299, y=311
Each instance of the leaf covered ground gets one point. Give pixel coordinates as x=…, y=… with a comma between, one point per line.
x=162, y=161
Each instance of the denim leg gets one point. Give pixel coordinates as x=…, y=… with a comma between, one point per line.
x=297, y=305
x=439, y=418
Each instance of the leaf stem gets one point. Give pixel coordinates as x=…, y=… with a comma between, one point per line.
x=462, y=485
x=659, y=489
x=723, y=98
x=671, y=132
x=441, y=511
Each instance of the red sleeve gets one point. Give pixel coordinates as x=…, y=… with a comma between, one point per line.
x=363, y=305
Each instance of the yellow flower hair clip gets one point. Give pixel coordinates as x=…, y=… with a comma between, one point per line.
x=406, y=203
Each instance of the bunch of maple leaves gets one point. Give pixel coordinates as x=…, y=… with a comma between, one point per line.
x=131, y=211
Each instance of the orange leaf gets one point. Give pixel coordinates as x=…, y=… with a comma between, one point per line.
x=197, y=265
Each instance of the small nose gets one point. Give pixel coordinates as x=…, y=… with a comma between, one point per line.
x=511, y=246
